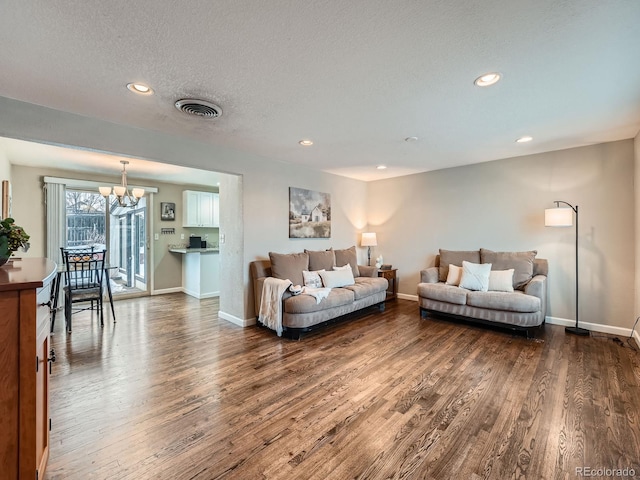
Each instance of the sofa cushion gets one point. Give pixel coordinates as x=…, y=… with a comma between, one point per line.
x=454, y=276
x=307, y=304
x=348, y=256
x=510, y=302
x=455, y=257
x=475, y=276
x=443, y=293
x=289, y=266
x=365, y=286
x=321, y=260
x=501, y=280
x=337, y=278
x=521, y=262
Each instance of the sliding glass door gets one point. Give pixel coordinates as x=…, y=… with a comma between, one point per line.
x=127, y=237
x=122, y=231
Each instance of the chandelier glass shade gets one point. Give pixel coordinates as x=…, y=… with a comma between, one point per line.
x=125, y=197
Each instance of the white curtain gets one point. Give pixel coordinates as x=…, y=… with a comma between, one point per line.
x=56, y=220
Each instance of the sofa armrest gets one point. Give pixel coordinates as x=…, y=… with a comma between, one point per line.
x=429, y=275
x=367, y=271
x=537, y=287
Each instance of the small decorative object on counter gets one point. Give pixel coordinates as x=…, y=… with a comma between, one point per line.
x=379, y=261
x=12, y=237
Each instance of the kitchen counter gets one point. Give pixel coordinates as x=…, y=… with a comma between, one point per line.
x=195, y=250
x=200, y=271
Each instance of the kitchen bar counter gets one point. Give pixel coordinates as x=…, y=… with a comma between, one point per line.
x=200, y=271
x=195, y=250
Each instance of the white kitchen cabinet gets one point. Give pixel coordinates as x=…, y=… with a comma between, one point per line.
x=200, y=209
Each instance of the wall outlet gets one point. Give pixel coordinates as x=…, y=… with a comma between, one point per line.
x=156, y=236
x=222, y=238
x=182, y=236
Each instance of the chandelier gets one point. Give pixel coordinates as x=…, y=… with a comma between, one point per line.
x=121, y=192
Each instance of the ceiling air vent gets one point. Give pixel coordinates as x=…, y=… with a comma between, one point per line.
x=199, y=108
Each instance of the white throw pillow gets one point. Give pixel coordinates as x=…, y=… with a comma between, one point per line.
x=337, y=278
x=501, y=280
x=475, y=276
x=312, y=279
x=344, y=267
x=454, y=275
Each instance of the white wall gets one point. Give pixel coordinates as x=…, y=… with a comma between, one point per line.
x=500, y=206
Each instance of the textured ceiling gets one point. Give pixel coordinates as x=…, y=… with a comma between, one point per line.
x=357, y=77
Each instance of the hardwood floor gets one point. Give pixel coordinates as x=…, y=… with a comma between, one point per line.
x=171, y=392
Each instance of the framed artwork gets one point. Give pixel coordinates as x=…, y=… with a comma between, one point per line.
x=6, y=199
x=309, y=214
x=167, y=211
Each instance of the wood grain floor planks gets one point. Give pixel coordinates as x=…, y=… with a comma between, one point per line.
x=172, y=392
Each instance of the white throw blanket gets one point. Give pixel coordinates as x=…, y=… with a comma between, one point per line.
x=318, y=293
x=271, y=303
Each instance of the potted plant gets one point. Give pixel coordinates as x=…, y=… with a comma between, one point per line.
x=12, y=237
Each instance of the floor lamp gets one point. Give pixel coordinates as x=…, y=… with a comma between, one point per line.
x=563, y=217
x=369, y=240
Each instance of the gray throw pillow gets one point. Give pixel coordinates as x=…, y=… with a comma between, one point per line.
x=289, y=266
x=455, y=257
x=321, y=260
x=348, y=255
x=521, y=262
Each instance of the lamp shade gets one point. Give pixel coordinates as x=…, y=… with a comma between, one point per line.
x=558, y=217
x=369, y=240
x=105, y=191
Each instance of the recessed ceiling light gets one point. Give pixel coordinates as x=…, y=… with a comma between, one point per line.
x=305, y=143
x=524, y=139
x=140, y=88
x=487, y=79
x=411, y=139
x=381, y=167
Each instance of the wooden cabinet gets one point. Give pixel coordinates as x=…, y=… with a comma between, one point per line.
x=25, y=291
x=200, y=209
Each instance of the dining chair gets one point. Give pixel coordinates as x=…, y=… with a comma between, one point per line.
x=83, y=274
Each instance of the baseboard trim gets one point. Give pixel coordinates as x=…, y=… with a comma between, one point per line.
x=405, y=296
x=594, y=327
x=209, y=295
x=200, y=296
x=236, y=320
x=164, y=291
x=636, y=336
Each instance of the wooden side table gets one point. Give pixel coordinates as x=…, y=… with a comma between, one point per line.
x=390, y=275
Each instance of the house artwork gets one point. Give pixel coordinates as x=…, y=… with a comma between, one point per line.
x=316, y=215
x=309, y=214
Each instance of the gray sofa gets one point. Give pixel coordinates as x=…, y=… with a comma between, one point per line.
x=301, y=313
x=524, y=308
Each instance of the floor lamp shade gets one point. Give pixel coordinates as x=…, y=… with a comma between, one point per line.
x=558, y=217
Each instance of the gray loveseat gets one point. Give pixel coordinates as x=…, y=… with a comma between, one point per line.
x=302, y=313
x=524, y=308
